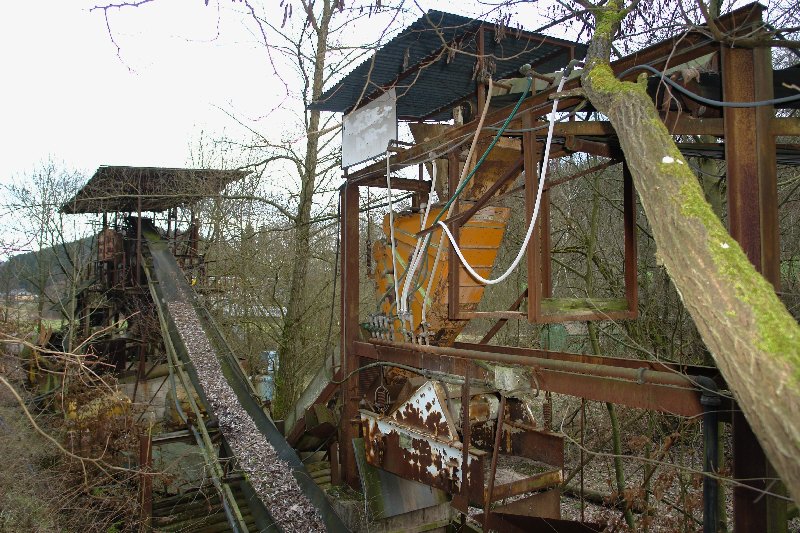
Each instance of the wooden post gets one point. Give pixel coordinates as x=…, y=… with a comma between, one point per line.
x=145, y=481
x=333, y=454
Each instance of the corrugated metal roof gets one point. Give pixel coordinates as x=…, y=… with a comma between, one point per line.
x=430, y=80
x=118, y=188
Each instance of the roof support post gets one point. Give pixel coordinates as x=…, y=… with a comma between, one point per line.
x=454, y=274
x=752, y=220
x=531, y=152
x=349, y=324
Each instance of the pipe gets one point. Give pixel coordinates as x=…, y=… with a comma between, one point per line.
x=639, y=375
x=710, y=401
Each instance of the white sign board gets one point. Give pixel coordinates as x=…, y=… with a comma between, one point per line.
x=366, y=132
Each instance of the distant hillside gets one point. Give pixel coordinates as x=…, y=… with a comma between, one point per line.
x=22, y=272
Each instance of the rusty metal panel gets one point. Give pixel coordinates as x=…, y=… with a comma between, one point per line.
x=426, y=410
x=544, y=505
x=411, y=454
x=535, y=483
x=390, y=495
x=543, y=446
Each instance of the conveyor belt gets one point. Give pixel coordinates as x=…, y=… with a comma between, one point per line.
x=169, y=286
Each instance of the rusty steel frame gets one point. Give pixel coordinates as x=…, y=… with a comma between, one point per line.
x=643, y=387
x=636, y=383
x=753, y=221
x=690, y=46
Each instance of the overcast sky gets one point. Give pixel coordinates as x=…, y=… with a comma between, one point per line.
x=68, y=94
x=141, y=91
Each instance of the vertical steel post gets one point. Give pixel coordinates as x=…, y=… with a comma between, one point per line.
x=481, y=86
x=752, y=220
x=139, y=235
x=333, y=454
x=531, y=155
x=498, y=436
x=461, y=500
x=349, y=223
x=454, y=265
x=546, y=245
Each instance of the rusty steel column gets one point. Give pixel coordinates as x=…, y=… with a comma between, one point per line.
x=461, y=500
x=752, y=221
x=481, y=86
x=453, y=263
x=531, y=156
x=498, y=434
x=349, y=323
x=333, y=454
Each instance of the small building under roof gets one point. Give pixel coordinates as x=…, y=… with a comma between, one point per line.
x=126, y=189
x=433, y=65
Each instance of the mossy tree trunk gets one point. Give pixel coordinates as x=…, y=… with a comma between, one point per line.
x=754, y=340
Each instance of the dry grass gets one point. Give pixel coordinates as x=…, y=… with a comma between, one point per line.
x=41, y=488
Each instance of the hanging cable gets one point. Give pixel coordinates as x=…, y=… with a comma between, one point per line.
x=702, y=99
x=465, y=180
x=391, y=227
x=415, y=257
x=462, y=181
x=535, y=214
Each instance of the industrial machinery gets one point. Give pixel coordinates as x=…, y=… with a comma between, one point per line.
x=421, y=404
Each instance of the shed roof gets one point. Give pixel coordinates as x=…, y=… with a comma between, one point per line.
x=118, y=188
x=429, y=77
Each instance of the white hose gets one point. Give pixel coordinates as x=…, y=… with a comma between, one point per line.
x=429, y=287
x=419, y=250
x=532, y=223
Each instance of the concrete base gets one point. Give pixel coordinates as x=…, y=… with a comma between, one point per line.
x=430, y=519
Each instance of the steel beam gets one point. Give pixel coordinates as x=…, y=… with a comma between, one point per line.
x=453, y=264
x=752, y=220
x=666, y=392
x=349, y=324
x=531, y=155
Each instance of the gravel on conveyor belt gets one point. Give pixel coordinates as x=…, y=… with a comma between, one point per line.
x=270, y=476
